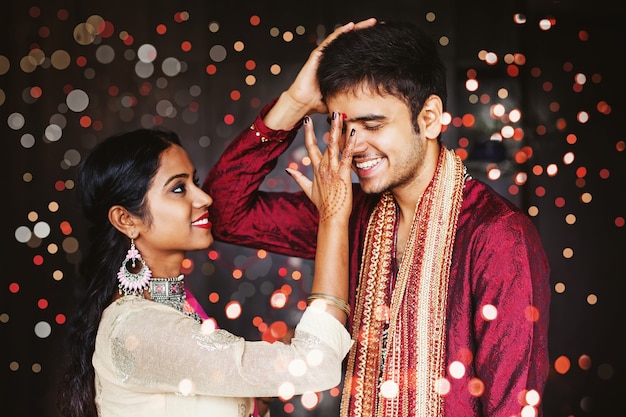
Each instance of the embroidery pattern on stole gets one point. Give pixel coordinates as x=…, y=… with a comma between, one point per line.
x=414, y=364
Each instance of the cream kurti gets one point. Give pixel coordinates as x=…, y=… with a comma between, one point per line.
x=148, y=354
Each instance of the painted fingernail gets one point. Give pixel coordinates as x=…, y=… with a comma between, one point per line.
x=344, y=116
x=334, y=115
x=306, y=120
x=352, y=132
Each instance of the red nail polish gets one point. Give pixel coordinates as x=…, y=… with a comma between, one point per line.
x=344, y=116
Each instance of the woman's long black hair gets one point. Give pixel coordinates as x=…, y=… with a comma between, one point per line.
x=117, y=171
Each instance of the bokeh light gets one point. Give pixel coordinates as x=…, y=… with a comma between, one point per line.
x=540, y=125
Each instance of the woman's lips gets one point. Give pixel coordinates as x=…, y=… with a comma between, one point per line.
x=202, y=222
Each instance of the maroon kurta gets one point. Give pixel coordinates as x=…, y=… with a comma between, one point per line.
x=497, y=260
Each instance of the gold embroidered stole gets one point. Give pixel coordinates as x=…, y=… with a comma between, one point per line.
x=412, y=362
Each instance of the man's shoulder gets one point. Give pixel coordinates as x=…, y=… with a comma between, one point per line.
x=485, y=209
x=478, y=194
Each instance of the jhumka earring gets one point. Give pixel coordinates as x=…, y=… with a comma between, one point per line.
x=134, y=279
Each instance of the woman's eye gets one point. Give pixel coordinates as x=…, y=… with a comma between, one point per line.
x=374, y=127
x=180, y=188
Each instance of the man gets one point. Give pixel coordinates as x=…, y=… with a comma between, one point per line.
x=449, y=281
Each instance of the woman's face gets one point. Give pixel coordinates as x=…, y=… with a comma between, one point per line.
x=178, y=212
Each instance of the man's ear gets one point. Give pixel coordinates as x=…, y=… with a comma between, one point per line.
x=429, y=118
x=122, y=220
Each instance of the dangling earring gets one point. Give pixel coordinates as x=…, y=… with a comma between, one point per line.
x=132, y=281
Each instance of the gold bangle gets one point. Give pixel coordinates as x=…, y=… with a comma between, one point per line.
x=330, y=300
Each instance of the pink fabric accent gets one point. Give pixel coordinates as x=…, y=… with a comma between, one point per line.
x=193, y=302
x=255, y=413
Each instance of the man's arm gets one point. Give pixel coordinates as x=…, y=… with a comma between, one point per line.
x=512, y=351
x=281, y=222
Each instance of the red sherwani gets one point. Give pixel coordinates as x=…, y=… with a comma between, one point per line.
x=497, y=260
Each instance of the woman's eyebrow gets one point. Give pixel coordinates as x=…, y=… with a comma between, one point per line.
x=175, y=177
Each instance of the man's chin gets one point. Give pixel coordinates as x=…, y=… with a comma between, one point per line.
x=369, y=187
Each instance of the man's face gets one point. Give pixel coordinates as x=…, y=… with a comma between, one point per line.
x=389, y=153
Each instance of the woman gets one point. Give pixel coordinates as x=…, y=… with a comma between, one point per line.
x=136, y=346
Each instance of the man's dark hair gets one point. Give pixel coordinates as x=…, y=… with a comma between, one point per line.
x=396, y=58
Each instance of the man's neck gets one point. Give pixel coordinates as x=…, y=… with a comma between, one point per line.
x=409, y=194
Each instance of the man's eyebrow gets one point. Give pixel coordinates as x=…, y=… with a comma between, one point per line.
x=364, y=118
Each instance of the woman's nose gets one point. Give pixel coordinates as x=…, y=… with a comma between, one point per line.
x=204, y=199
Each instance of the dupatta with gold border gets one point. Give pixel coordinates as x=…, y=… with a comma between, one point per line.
x=405, y=376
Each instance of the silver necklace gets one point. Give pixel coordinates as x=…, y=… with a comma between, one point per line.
x=171, y=292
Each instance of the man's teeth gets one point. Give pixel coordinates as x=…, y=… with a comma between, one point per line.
x=368, y=164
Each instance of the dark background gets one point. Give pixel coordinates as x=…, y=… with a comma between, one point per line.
x=575, y=171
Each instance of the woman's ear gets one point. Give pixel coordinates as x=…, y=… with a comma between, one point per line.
x=429, y=118
x=122, y=220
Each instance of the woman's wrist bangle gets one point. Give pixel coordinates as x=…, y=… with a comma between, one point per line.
x=330, y=300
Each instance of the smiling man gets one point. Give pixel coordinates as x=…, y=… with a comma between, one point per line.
x=449, y=281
